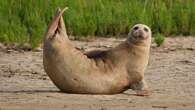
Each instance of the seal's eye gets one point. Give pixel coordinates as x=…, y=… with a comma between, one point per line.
x=135, y=28
x=145, y=29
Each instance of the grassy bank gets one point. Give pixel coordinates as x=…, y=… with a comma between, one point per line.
x=24, y=21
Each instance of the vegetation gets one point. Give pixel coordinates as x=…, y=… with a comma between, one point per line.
x=25, y=21
x=159, y=39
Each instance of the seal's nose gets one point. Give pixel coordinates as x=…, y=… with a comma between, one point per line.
x=138, y=33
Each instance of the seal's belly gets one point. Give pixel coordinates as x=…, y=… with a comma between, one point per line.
x=93, y=84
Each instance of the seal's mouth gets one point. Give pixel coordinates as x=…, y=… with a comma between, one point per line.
x=139, y=35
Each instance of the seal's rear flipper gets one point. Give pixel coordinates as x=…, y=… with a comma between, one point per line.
x=57, y=25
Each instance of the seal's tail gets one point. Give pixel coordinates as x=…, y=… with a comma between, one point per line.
x=57, y=25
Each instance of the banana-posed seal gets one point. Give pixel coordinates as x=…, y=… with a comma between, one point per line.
x=96, y=72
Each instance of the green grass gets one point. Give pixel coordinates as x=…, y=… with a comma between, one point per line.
x=159, y=39
x=25, y=21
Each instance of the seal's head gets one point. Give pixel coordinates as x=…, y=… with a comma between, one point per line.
x=140, y=33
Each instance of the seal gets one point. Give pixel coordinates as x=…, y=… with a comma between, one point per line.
x=96, y=72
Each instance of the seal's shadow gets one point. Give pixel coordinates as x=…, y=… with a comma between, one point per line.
x=127, y=93
x=30, y=91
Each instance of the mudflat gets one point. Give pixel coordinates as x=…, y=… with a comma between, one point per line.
x=170, y=75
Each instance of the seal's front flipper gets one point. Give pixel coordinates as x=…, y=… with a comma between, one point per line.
x=141, y=88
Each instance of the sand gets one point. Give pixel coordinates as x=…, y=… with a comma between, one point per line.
x=170, y=75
